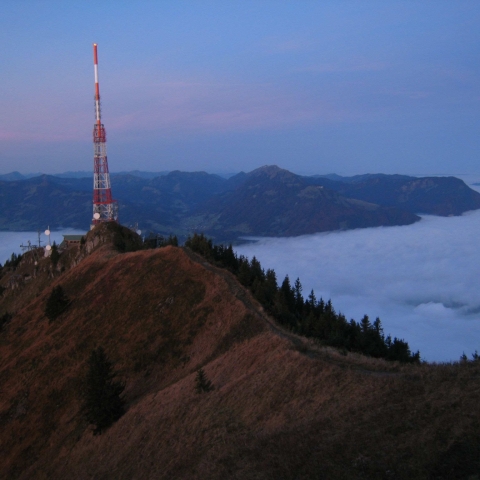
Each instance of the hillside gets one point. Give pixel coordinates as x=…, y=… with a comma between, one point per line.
x=275, y=202
x=282, y=407
x=442, y=196
x=40, y=201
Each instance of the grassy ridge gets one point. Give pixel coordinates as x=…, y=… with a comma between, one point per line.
x=311, y=317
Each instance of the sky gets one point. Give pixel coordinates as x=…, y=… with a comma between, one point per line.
x=338, y=86
x=421, y=280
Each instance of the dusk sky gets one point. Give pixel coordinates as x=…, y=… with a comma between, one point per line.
x=223, y=86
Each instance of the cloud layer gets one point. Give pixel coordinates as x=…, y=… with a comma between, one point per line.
x=421, y=280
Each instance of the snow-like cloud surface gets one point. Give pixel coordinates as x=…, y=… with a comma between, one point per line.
x=421, y=280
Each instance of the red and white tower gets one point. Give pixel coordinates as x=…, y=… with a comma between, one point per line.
x=105, y=209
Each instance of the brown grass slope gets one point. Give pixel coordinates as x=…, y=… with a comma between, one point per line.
x=281, y=408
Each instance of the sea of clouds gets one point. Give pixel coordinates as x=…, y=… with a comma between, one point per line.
x=422, y=280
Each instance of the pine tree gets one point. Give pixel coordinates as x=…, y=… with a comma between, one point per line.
x=57, y=303
x=245, y=276
x=202, y=384
x=103, y=403
x=5, y=320
x=54, y=255
x=299, y=302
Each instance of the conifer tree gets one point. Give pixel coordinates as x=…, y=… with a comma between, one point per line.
x=5, y=320
x=245, y=274
x=54, y=255
x=57, y=303
x=202, y=384
x=103, y=403
x=299, y=303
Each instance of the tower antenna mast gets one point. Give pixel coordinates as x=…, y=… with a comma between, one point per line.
x=105, y=209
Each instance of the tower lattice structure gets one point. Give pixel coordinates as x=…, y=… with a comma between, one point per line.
x=105, y=209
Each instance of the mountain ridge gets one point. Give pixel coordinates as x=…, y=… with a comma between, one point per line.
x=275, y=202
x=282, y=406
x=184, y=202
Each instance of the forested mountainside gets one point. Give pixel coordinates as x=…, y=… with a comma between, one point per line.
x=272, y=404
x=442, y=196
x=268, y=201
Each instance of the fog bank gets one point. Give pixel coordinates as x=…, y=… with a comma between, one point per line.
x=421, y=280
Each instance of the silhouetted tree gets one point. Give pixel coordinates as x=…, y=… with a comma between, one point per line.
x=103, y=403
x=245, y=276
x=299, y=302
x=54, y=255
x=5, y=320
x=57, y=303
x=202, y=384
x=13, y=261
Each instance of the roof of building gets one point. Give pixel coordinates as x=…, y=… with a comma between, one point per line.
x=72, y=238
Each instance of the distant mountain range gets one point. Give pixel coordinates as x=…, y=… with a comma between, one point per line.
x=268, y=201
x=13, y=176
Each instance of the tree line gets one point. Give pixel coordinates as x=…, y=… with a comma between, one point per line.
x=310, y=317
x=12, y=262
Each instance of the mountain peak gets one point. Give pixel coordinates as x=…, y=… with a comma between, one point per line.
x=271, y=171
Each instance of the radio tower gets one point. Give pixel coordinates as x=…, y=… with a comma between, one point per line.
x=105, y=209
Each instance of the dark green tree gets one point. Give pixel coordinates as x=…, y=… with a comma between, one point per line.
x=57, y=303
x=103, y=402
x=55, y=255
x=5, y=320
x=287, y=294
x=245, y=276
x=202, y=384
x=299, y=303
x=13, y=261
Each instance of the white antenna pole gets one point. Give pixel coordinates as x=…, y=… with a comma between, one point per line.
x=48, y=248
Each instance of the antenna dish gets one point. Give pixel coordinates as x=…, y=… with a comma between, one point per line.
x=47, y=232
x=139, y=232
x=48, y=247
x=96, y=215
